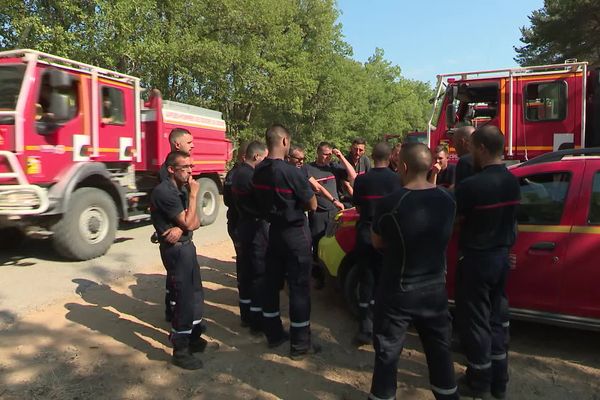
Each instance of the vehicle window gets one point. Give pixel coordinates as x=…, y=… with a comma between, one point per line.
x=113, y=111
x=66, y=98
x=546, y=101
x=478, y=103
x=594, y=216
x=543, y=198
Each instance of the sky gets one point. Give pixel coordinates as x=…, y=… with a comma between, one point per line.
x=429, y=37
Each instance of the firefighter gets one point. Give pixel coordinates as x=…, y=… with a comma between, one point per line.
x=361, y=164
x=327, y=174
x=283, y=195
x=442, y=173
x=412, y=226
x=296, y=158
x=368, y=190
x=487, y=203
x=461, y=141
x=232, y=220
x=252, y=235
x=394, y=157
x=180, y=140
x=172, y=206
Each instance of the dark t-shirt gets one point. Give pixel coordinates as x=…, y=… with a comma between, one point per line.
x=464, y=169
x=446, y=176
x=232, y=213
x=163, y=173
x=370, y=188
x=362, y=166
x=166, y=203
x=488, y=201
x=328, y=176
x=243, y=193
x=281, y=192
x=416, y=226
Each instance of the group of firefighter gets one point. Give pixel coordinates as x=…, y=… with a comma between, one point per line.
x=410, y=201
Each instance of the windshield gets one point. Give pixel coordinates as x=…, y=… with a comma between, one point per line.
x=11, y=77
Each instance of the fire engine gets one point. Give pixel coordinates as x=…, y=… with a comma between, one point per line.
x=80, y=151
x=539, y=109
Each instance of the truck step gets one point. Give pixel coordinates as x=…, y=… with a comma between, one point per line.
x=137, y=217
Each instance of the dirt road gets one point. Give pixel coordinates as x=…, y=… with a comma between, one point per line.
x=106, y=339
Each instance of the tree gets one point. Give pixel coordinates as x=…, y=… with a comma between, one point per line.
x=562, y=29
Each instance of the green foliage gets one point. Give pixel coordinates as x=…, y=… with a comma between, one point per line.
x=562, y=29
x=257, y=61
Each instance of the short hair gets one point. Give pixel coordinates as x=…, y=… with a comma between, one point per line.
x=439, y=148
x=172, y=157
x=255, y=147
x=242, y=149
x=275, y=133
x=417, y=157
x=463, y=131
x=359, y=140
x=382, y=151
x=491, y=137
x=294, y=148
x=323, y=144
x=176, y=134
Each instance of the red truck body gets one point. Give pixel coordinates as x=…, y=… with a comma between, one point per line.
x=66, y=125
x=539, y=109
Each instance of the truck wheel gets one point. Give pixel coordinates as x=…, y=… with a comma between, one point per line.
x=208, y=201
x=11, y=238
x=88, y=227
x=351, y=289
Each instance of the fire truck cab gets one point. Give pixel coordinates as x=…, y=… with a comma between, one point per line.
x=80, y=151
x=539, y=109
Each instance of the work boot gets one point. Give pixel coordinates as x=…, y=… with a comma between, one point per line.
x=198, y=345
x=184, y=359
x=363, y=338
x=498, y=393
x=467, y=391
x=300, y=354
x=285, y=336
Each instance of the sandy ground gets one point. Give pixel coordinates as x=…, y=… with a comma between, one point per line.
x=110, y=342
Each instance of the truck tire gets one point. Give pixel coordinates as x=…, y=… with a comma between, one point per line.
x=11, y=238
x=88, y=227
x=351, y=289
x=208, y=201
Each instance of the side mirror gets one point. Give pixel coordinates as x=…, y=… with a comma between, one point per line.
x=450, y=115
x=59, y=106
x=59, y=79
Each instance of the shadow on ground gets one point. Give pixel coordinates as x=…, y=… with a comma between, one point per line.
x=114, y=344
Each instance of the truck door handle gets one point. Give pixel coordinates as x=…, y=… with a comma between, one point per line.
x=543, y=246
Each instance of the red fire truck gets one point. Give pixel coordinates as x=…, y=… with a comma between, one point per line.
x=539, y=109
x=80, y=151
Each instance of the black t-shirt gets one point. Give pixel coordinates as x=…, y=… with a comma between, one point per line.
x=370, y=188
x=488, y=201
x=464, y=169
x=166, y=203
x=232, y=213
x=163, y=173
x=328, y=176
x=362, y=166
x=243, y=192
x=281, y=192
x=446, y=176
x=416, y=226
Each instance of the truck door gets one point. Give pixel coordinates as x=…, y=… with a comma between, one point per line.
x=550, y=117
x=580, y=294
x=547, y=192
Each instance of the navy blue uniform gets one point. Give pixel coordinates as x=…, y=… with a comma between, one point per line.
x=281, y=191
x=464, y=169
x=328, y=176
x=416, y=226
x=252, y=232
x=369, y=189
x=179, y=259
x=488, y=202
